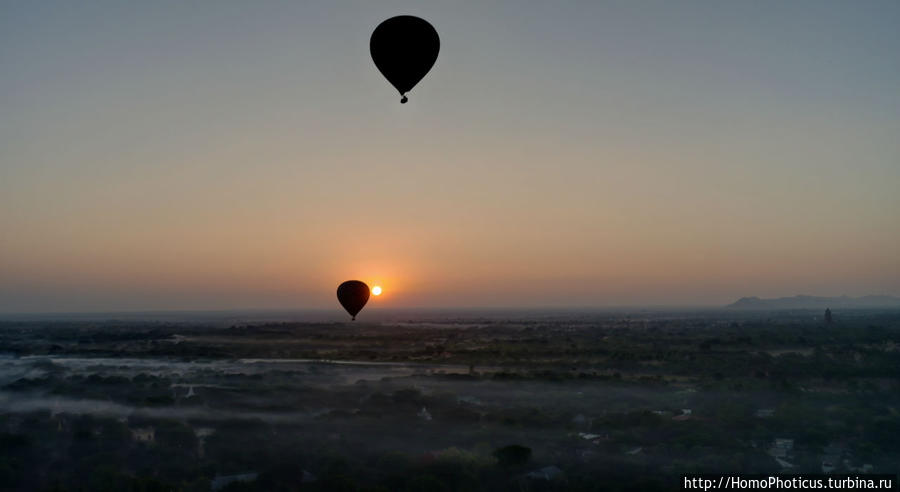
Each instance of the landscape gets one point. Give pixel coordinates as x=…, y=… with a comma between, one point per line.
x=432, y=246
x=445, y=400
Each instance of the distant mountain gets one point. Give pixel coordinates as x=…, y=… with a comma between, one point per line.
x=814, y=302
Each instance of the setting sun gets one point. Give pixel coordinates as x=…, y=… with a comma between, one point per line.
x=376, y=290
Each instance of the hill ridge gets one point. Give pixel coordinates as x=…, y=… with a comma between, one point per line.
x=804, y=301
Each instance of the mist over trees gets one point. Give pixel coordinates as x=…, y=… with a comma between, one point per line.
x=616, y=401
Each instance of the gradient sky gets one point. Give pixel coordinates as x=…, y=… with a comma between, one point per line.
x=218, y=155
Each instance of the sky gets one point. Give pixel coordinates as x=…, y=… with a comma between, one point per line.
x=231, y=154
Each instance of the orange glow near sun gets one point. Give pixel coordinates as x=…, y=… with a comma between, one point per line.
x=376, y=290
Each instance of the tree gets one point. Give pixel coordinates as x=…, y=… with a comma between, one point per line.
x=512, y=455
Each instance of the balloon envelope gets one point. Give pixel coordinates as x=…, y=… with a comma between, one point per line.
x=404, y=48
x=353, y=295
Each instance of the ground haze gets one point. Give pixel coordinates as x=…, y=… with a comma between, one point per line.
x=599, y=400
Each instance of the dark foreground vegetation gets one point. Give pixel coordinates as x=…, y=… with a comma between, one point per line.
x=589, y=401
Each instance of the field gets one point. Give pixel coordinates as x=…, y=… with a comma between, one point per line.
x=594, y=400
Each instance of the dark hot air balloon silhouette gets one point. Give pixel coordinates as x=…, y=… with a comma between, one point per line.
x=404, y=49
x=353, y=295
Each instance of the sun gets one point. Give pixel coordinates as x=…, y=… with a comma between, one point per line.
x=376, y=290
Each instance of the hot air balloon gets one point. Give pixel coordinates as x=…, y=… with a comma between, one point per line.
x=404, y=49
x=353, y=295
